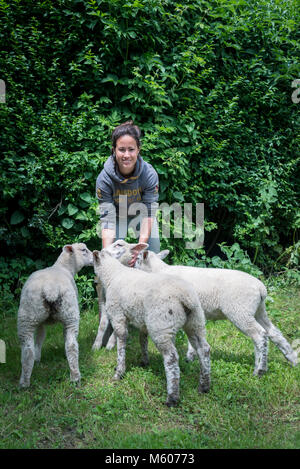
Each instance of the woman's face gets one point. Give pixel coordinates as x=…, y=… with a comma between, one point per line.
x=126, y=154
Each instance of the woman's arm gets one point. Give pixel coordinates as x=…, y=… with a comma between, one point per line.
x=108, y=237
x=146, y=227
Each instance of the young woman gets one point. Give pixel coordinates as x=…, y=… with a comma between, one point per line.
x=125, y=173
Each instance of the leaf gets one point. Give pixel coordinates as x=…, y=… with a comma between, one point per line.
x=105, y=99
x=67, y=223
x=81, y=216
x=25, y=232
x=16, y=218
x=110, y=77
x=62, y=210
x=132, y=34
x=86, y=196
x=72, y=209
x=178, y=196
x=161, y=169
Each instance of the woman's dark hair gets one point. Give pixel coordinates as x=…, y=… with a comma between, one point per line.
x=128, y=128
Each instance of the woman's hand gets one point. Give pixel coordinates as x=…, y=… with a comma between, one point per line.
x=134, y=256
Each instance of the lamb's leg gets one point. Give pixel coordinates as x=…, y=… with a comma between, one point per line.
x=275, y=335
x=99, y=294
x=121, y=331
x=71, y=347
x=27, y=356
x=195, y=330
x=104, y=330
x=112, y=341
x=249, y=326
x=40, y=337
x=202, y=349
x=191, y=353
x=104, y=321
x=172, y=370
x=144, y=348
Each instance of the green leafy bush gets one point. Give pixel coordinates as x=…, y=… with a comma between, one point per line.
x=208, y=82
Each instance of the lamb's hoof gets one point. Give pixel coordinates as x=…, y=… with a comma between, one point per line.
x=204, y=388
x=259, y=373
x=23, y=385
x=75, y=380
x=110, y=346
x=96, y=346
x=144, y=363
x=190, y=357
x=293, y=357
x=172, y=401
x=77, y=383
x=117, y=378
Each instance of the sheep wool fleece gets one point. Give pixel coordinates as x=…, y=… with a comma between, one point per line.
x=50, y=295
x=160, y=308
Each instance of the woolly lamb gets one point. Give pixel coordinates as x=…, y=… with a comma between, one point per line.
x=50, y=295
x=159, y=306
x=223, y=294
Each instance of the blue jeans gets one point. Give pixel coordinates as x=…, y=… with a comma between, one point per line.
x=122, y=225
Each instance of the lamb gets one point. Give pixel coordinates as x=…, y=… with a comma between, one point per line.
x=159, y=306
x=50, y=295
x=223, y=294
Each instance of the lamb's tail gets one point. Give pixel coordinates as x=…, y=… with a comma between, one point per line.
x=191, y=304
x=263, y=292
x=51, y=292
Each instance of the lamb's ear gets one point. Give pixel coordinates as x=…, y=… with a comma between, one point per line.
x=96, y=256
x=163, y=254
x=68, y=248
x=140, y=247
x=145, y=255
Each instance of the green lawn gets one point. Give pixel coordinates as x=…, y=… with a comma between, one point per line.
x=240, y=411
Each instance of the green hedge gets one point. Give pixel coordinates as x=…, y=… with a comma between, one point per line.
x=209, y=82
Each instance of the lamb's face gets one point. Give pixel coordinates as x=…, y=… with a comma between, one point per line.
x=84, y=253
x=119, y=248
x=150, y=261
x=144, y=261
x=79, y=253
x=124, y=251
x=97, y=256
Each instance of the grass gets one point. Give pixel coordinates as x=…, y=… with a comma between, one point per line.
x=240, y=411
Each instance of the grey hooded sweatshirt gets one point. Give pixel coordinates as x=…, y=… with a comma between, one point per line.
x=141, y=186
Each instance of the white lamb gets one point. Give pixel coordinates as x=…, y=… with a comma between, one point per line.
x=223, y=294
x=159, y=306
x=50, y=295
